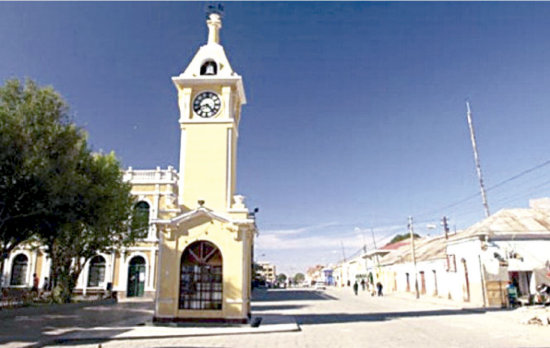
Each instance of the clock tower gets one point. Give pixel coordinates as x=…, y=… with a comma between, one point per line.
x=205, y=252
x=210, y=96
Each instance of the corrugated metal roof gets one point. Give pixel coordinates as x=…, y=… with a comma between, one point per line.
x=515, y=222
x=427, y=248
x=508, y=221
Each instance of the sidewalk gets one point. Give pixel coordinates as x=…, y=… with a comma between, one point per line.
x=105, y=321
x=269, y=323
x=423, y=299
x=133, y=330
x=519, y=315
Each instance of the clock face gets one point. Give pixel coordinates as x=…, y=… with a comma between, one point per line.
x=207, y=104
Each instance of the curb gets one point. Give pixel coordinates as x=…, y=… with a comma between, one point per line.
x=271, y=324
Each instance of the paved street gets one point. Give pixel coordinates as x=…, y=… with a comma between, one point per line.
x=31, y=325
x=331, y=318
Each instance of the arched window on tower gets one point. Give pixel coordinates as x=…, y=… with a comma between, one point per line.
x=201, y=277
x=140, y=220
x=19, y=270
x=209, y=68
x=96, y=272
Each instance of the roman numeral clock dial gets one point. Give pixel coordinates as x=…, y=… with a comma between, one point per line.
x=207, y=104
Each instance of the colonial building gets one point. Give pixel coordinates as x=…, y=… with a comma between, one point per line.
x=267, y=271
x=195, y=259
x=473, y=265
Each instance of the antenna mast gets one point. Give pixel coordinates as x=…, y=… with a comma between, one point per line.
x=476, y=159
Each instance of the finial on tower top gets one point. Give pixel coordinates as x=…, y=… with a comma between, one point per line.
x=214, y=22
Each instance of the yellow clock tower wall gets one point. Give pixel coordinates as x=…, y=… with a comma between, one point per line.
x=210, y=95
x=212, y=233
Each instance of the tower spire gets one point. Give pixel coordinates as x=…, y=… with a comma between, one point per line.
x=214, y=23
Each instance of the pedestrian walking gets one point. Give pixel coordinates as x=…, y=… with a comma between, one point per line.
x=355, y=287
x=46, y=286
x=35, y=282
x=363, y=284
x=512, y=292
x=379, y=288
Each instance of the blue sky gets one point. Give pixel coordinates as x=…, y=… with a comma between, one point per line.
x=355, y=117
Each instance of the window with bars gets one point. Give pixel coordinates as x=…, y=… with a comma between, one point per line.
x=201, y=279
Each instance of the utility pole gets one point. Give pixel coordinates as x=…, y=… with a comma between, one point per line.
x=343, y=250
x=413, y=256
x=445, y=224
x=476, y=159
x=374, y=242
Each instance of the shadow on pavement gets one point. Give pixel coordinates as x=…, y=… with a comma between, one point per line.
x=331, y=318
x=42, y=325
x=276, y=307
x=271, y=295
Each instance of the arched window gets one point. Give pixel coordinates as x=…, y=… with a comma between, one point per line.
x=209, y=68
x=96, y=273
x=201, y=277
x=140, y=220
x=19, y=270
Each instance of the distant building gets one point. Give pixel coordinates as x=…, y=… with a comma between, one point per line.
x=315, y=274
x=475, y=265
x=267, y=271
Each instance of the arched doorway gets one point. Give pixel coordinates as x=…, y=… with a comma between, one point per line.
x=201, y=277
x=19, y=270
x=136, y=277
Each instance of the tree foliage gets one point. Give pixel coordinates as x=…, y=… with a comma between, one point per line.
x=299, y=278
x=35, y=139
x=99, y=221
x=281, y=277
x=401, y=237
x=53, y=189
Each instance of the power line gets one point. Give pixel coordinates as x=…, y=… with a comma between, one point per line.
x=465, y=199
x=527, y=171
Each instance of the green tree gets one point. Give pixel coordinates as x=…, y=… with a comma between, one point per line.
x=281, y=277
x=299, y=278
x=54, y=190
x=101, y=221
x=36, y=137
x=401, y=237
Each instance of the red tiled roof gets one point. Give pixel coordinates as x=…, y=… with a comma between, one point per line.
x=396, y=245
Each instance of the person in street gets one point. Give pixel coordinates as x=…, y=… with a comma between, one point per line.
x=379, y=288
x=512, y=292
x=35, y=282
x=46, y=286
x=355, y=287
x=363, y=284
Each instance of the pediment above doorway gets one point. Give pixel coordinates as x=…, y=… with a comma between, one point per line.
x=201, y=215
